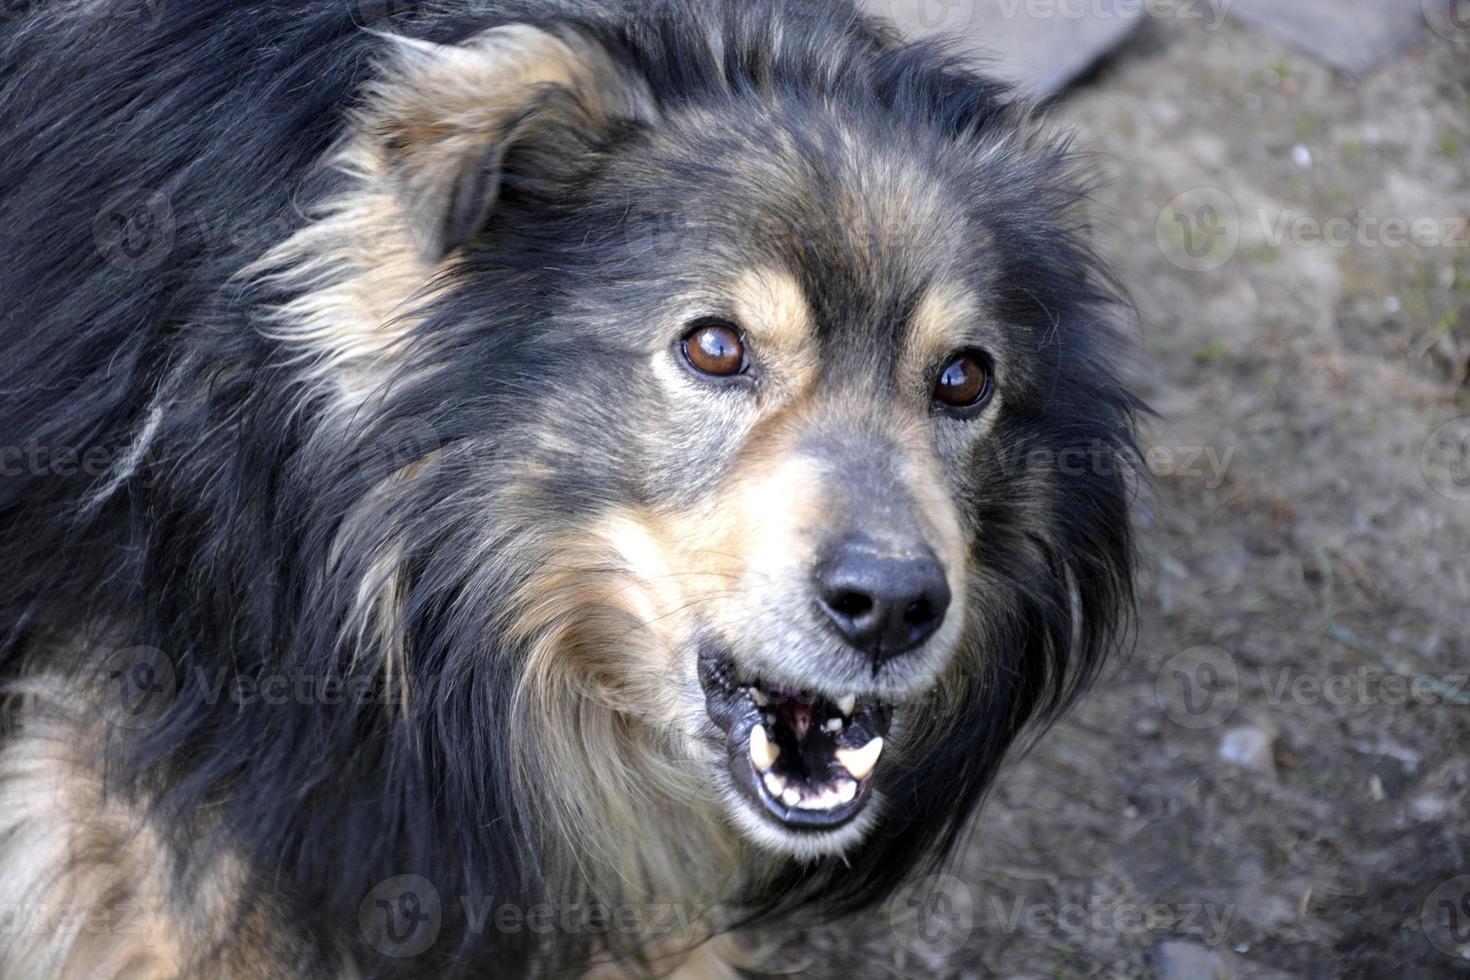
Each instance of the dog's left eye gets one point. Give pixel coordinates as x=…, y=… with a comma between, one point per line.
x=715, y=347
x=966, y=383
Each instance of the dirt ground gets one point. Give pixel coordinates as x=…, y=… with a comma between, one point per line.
x=1274, y=783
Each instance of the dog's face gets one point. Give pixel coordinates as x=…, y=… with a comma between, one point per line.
x=798, y=344
x=800, y=395
x=783, y=380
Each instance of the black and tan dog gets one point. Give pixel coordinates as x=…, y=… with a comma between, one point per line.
x=576, y=456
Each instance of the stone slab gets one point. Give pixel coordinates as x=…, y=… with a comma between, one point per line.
x=1041, y=45
x=1353, y=35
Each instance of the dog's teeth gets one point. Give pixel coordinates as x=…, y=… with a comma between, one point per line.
x=770, y=717
x=759, y=697
x=791, y=797
x=847, y=704
x=833, y=725
x=828, y=799
x=775, y=785
x=762, y=752
x=846, y=790
x=861, y=761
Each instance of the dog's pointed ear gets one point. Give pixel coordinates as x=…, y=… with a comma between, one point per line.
x=443, y=120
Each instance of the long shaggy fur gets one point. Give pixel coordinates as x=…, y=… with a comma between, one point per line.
x=293, y=442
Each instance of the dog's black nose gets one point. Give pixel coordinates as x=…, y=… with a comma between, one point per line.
x=882, y=604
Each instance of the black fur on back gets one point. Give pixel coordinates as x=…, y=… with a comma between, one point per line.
x=217, y=548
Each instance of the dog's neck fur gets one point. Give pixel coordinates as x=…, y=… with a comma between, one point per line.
x=97, y=893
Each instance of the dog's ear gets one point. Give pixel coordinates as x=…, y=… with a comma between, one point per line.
x=445, y=119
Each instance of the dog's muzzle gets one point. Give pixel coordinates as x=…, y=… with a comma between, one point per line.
x=805, y=760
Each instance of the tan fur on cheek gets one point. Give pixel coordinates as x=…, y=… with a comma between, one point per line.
x=609, y=720
x=599, y=733
x=715, y=563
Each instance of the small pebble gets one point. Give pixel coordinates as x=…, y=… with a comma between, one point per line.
x=1301, y=156
x=1429, y=808
x=1180, y=960
x=1249, y=748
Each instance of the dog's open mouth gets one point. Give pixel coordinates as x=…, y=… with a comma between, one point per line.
x=806, y=760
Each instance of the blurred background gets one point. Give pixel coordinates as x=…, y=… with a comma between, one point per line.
x=1274, y=784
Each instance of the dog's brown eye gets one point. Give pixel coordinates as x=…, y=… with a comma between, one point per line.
x=965, y=382
x=715, y=348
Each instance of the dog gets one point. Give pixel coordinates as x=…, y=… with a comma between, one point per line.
x=528, y=487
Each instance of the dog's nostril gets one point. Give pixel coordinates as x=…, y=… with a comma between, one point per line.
x=852, y=604
x=882, y=604
x=919, y=614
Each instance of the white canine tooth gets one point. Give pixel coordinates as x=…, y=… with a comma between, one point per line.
x=847, y=703
x=846, y=791
x=762, y=752
x=759, y=697
x=791, y=797
x=775, y=785
x=861, y=761
x=833, y=725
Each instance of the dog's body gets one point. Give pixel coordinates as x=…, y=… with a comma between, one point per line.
x=537, y=456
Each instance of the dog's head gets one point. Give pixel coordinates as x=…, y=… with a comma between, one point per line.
x=778, y=442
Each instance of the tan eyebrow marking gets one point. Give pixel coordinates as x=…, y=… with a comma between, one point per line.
x=770, y=304
x=937, y=327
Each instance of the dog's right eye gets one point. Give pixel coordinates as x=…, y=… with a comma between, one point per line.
x=715, y=348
